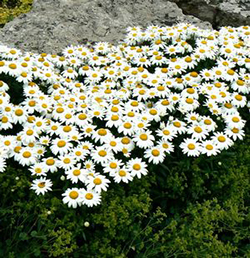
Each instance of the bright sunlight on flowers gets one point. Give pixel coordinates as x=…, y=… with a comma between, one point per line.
x=102, y=115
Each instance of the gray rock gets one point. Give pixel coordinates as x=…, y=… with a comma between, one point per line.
x=218, y=12
x=52, y=25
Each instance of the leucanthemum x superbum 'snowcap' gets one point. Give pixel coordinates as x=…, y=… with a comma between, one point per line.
x=116, y=109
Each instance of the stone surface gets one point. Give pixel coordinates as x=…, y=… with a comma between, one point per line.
x=218, y=12
x=52, y=25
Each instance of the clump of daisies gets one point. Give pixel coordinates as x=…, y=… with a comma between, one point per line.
x=102, y=114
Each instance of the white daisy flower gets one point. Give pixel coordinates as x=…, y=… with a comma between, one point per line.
x=122, y=175
x=90, y=197
x=222, y=140
x=97, y=182
x=191, y=147
x=209, y=148
x=197, y=132
x=112, y=166
x=101, y=155
x=137, y=167
x=41, y=185
x=235, y=133
x=144, y=140
x=76, y=173
x=50, y=164
x=66, y=162
x=72, y=197
x=60, y=146
x=38, y=169
x=2, y=164
x=26, y=157
x=155, y=155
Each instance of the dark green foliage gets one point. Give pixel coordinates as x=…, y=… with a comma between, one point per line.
x=9, y=9
x=184, y=208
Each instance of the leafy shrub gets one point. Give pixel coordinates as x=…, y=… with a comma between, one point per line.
x=9, y=9
x=204, y=213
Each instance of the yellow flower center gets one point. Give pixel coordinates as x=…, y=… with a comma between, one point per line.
x=89, y=130
x=143, y=137
x=240, y=82
x=59, y=110
x=207, y=122
x=19, y=112
x=194, y=74
x=153, y=112
x=32, y=103
x=102, y=153
x=113, y=143
x=235, y=130
x=228, y=105
x=50, y=162
x=131, y=114
x=76, y=172
x=165, y=102
x=23, y=74
x=191, y=146
x=189, y=100
x=166, y=132
x=177, y=124
x=102, y=132
x=125, y=140
x=114, y=117
x=38, y=170
x=89, y=196
x=238, y=97
x=26, y=154
x=230, y=72
x=209, y=147
x=41, y=184
x=17, y=149
x=221, y=139
x=127, y=125
x=113, y=165
x=190, y=91
x=155, y=152
x=137, y=167
x=29, y=132
x=5, y=119
x=235, y=119
x=61, y=144
x=66, y=161
x=73, y=195
x=114, y=109
x=12, y=66
x=54, y=127
x=140, y=125
x=97, y=181
x=198, y=129
x=78, y=153
x=82, y=116
x=134, y=103
x=68, y=116
x=165, y=145
x=67, y=128
x=122, y=173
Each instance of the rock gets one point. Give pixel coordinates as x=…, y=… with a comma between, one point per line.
x=218, y=12
x=52, y=25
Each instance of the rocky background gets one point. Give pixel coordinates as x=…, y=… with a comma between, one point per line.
x=52, y=25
